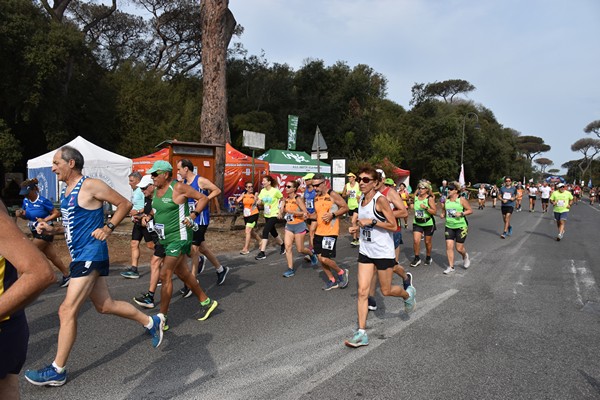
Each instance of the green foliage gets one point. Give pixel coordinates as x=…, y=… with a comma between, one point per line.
x=10, y=147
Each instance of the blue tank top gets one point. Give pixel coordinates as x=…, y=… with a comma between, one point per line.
x=309, y=200
x=79, y=224
x=204, y=217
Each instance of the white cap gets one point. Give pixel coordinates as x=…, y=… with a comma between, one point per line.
x=146, y=180
x=380, y=171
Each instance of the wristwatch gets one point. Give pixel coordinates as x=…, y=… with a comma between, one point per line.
x=373, y=222
x=110, y=225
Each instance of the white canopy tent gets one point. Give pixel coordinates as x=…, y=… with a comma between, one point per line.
x=98, y=163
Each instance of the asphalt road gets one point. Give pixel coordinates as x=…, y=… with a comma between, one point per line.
x=522, y=323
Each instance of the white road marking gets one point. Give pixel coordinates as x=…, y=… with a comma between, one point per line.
x=584, y=282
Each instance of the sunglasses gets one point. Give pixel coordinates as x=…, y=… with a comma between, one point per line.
x=318, y=184
x=157, y=173
x=422, y=187
x=289, y=186
x=364, y=179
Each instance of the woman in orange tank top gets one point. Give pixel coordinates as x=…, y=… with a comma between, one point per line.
x=294, y=212
x=250, y=212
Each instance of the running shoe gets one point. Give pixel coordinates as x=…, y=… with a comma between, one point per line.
x=409, y=304
x=47, y=376
x=307, y=258
x=157, y=330
x=314, y=260
x=428, y=260
x=416, y=262
x=130, y=273
x=359, y=339
x=449, y=270
x=503, y=236
x=65, y=281
x=372, y=304
x=185, y=292
x=289, y=273
x=509, y=233
x=206, y=310
x=282, y=249
x=408, y=282
x=355, y=243
x=165, y=326
x=260, y=256
x=146, y=300
x=201, y=263
x=466, y=261
x=244, y=252
x=559, y=237
x=222, y=275
x=330, y=285
x=343, y=279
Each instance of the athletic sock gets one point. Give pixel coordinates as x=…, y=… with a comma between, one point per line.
x=205, y=302
x=150, y=323
x=58, y=369
x=220, y=269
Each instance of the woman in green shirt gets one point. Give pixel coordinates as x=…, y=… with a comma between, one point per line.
x=454, y=209
x=423, y=222
x=269, y=197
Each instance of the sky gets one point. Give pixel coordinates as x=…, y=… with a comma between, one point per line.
x=535, y=63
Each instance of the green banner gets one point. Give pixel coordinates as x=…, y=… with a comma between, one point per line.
x=292, y=129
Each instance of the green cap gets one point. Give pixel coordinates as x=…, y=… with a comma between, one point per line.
x=160, y=165
x=389, y=181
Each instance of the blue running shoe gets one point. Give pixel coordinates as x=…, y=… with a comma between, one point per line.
x=359, y=339
x=509, y=231
x=409, y=304
x=46, y=376
x=314, y=260
x=157, y=330
x=289, y=273
x=331, y=285
x=130, y=273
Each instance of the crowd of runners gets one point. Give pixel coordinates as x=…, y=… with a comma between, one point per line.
x=170, y=213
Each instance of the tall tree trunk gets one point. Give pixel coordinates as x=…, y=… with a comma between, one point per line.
x=218, y=25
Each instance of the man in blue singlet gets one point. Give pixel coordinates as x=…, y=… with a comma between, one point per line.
x=85, y=234
x=309, y=201
x=18, y=257
x=185, y=168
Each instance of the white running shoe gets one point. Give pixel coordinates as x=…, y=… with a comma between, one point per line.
x=466, y=261
x=448, y=270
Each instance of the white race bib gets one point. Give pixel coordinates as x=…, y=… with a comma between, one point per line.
x=328, y=243
x=267, y=209
x=289, y=217
x=506, y=196
x=365, y=233
x=419, y=214
x=160, y=230
x=560, y=203
x=450, y=213
x=247, y=212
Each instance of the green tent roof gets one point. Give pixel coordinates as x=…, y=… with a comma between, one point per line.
x=296, y=162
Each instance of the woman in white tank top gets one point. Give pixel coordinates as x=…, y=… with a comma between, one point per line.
x=377, y=224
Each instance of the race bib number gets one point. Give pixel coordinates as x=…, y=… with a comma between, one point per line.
x=419, y=213
x=247, y=212
x=366, y=233
x=289, y=217
x=150, y=226
x=352, y=194
x=560, y=203
x=328, y=243
x=267, y=209
x=451, y=213
x=506, y=196
x=310, y=203
x=32, y=225
x=160, y=230
x=481, y=196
